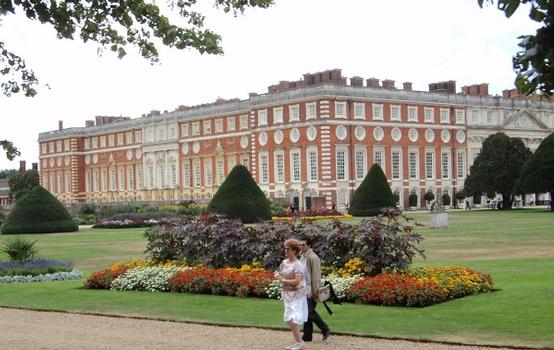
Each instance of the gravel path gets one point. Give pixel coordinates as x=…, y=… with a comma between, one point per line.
x=24, y=329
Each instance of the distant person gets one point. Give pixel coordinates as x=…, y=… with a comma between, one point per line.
x=468, y=206
x=291, y=275
x=333, y=206
x=312, y=265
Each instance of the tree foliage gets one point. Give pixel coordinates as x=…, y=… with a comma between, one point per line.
x=7, y=173
x=534, y=63
x=22, y=183
x=11, y=150
x=496, y=169
x=38, y=212
x=115, y=25
x=537, y=174
x=372, y=195
x=239, y=197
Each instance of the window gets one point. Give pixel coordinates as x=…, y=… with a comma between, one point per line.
x=312, y=165
x=68, y=181
x=359, y=110
x=262, y=117
x=43, y=148
x=207, y=127
x=138, y=136
x=185, y=130
x=489, y=116
x=461, y=165
x=360, y=165
x=412, y=159
x=96, y=185
x=231, y=162
x=340, y=109
x=460, y=116
x=341, y=165
x=162, y=176
x=53, y=183
x=378, y=159
x=120, y=139
x=245, y=163
x=196, y=170
x=150, y=176
x=195, y=128
x=131, y=178
x=51, y=145
x=445, y=115
x=113, y=180
x=219, y=125
x=104, y=180
x=280, y=167
x=186, y=175
x=66, y=145
x=140, y=182
x=220, y=171
x=94, y=142
x=445, y=162
x=294, y=113
x=103, y=141
x=231, y=124
x=173, y=173
x=60, y=183
x=264, y=173
x=474, y=116
x=429, y=114
x=311, y=110
x=377, y=110
x=161, y=134
x=295, y=166
x=172, y=132
x=88, y=182
x=243, y=122
x=395, y=113
x=429, y=165
x=208, y=171
x=111, y=140
x=396, y=165
x=278, y=115
x=121, y=179
x=412, y=114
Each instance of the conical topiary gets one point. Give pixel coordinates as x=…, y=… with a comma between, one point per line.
x=373, y=194
x=239, y=197
x=38, y=212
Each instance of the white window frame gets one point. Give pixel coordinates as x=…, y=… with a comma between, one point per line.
x=96, y=181
x=361, y=167
x=445, y=165
x=208, y=173
x=309, y=107
x=262, y=117
x=279, y=167
x=195, y=128
x=207, y=127
x=120, y=139
x=218, y=126
x=243, y=119
x=460, y=163
x=412, y=114
x=340, y=109
x=295, y=165
x=312, y=164
x=429, y=165
x=413, y=167
x=460, y=116
x=113, y=180
x=359, y=110
x=130, y=177
x=428, y=114
x=104, y=179
x=445, y=115
x=197, y=174
x=173, y=173
x=377, y=111
x=382, y=162
x=341, y=170
x=294, y=113
x=395, y=113
x=278, y=115
x=396, y=165
x=264, y=167
x=220, y=169
x=231, y=124
x=121, y=183
x=186, y=174
x=474, y=116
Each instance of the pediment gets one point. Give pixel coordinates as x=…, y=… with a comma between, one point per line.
x=524, y=120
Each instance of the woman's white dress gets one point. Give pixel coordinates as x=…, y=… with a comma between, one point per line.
x=294, y=298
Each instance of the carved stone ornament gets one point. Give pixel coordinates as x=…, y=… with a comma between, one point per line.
x=219, y=148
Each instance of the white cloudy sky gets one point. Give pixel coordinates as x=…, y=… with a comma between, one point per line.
x=420, y=41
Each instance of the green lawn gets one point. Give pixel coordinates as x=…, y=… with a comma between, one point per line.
x=516, y=248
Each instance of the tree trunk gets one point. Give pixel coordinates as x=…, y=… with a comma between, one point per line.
x=506, y=202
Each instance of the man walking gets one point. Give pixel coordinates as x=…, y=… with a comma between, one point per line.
x=312, y=267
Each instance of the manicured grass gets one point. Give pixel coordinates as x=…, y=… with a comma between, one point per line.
x=516, y=248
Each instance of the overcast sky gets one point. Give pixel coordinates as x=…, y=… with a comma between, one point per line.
x=420, y=41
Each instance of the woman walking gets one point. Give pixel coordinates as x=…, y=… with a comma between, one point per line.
x=291, y=275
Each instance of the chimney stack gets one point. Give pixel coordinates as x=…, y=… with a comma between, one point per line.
x=388, y=84
x=357, y=81
x=35, y=166
x=407, y=86
x=60, y=125
x=22, y=166
x=372, y=82
x=89, y=123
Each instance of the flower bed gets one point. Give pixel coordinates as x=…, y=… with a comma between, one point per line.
x=57, y=276
x=34, y=267
x=418, y=287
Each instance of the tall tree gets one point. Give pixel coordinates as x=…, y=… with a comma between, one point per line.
x=114, y=25
x=537, y=174
x=372, y=195
x=534, y=63
x=496, y=169
x=7, y=173
x=22, y=183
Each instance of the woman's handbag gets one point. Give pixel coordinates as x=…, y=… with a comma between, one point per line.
x=324, y=293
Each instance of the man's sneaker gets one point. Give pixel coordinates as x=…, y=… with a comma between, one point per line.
x=326, y=334
x=298, y=346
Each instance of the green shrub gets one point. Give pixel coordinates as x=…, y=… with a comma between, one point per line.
x=373, y=194
x=19, y=249
x=429, y=196
x=2, y=218
x=477, y=199
x=239, y=197
x=38, y=212
x=412, y=199
x=445, y=198
x=460, y=195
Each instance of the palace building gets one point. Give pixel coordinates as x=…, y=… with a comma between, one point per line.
x=309, y=142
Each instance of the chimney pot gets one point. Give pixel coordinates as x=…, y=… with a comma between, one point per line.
x=407, y=86
x=35, y=166
x=357, y=81
x=388, y=84
x=60, y=124
x=22, y=166
x=372, y=82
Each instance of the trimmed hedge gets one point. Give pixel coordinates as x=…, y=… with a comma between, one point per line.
x=38, y=212
x=239, y=197
x=373, y=194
